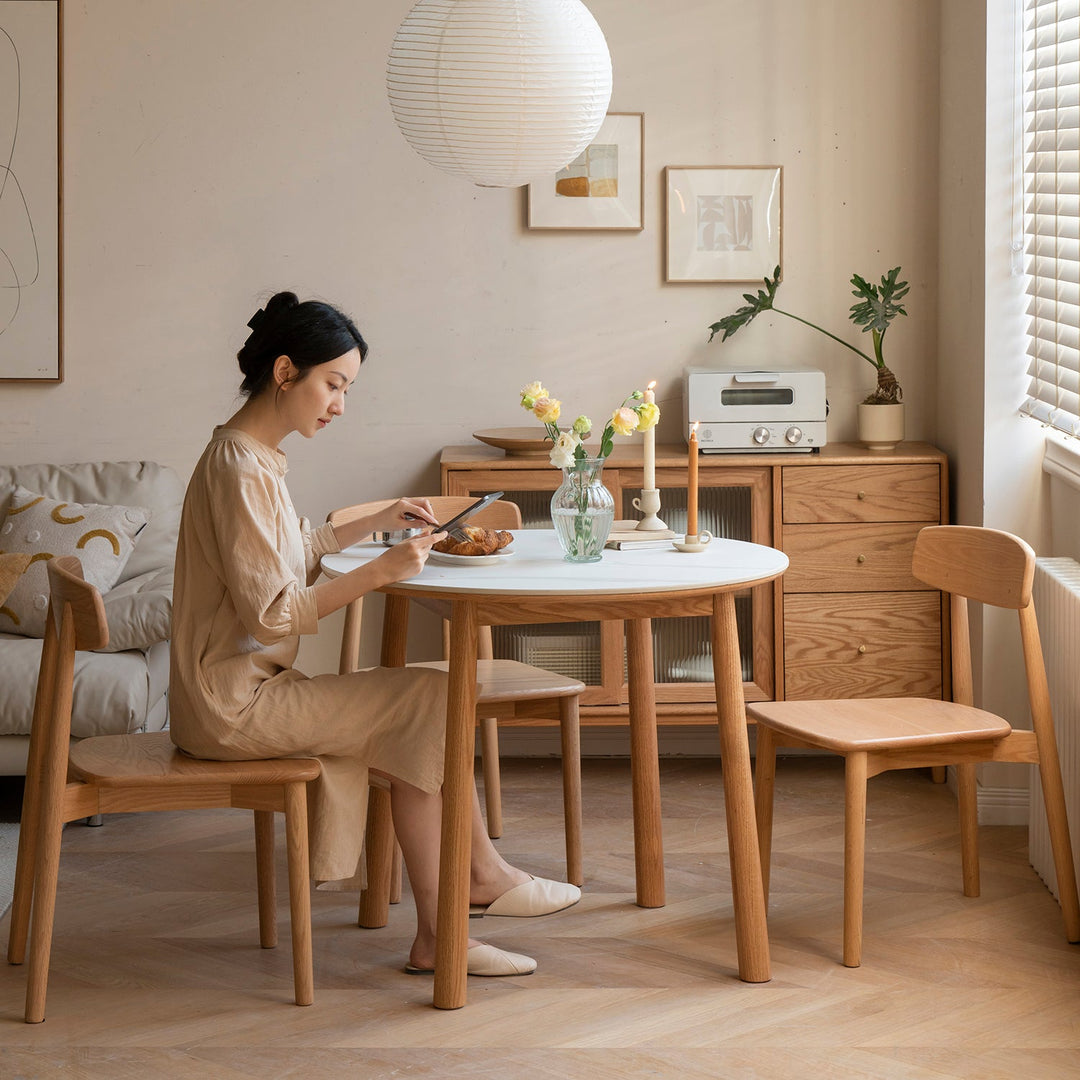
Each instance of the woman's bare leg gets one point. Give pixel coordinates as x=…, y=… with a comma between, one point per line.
x=418, y=823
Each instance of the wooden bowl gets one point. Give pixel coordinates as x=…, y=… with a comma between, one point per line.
x=517, y=442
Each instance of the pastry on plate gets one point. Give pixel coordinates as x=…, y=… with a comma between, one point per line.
x=477, y=541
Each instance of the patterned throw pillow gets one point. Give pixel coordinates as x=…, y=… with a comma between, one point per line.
x=102, y=537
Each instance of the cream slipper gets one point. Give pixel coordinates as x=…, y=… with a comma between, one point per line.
x=488, y=961
x=537, y=896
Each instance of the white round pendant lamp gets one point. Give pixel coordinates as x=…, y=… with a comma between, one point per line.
x=499, y=92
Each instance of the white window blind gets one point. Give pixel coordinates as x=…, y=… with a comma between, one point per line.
x=1051, y=86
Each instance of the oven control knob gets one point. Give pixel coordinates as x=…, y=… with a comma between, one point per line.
x=793, y=435
x=761, y=435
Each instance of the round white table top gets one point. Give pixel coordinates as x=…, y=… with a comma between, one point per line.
x=535, y=566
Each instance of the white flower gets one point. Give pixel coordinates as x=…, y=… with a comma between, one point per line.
x=562, y=453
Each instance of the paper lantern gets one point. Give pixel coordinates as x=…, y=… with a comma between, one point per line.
x=500, y=92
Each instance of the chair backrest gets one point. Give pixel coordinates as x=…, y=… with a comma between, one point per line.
x=986, y=565
x=68, y=590
x=501, y=514
x=990, y=567
x=76, y=620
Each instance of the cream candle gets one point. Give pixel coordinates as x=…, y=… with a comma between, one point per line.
x=650, y=444
x=692, y=483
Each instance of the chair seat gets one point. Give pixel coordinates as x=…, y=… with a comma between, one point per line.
x=867, y=724
x=133, y=760
x=508, y=680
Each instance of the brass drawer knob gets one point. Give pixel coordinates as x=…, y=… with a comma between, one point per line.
x=862, y=648
x=862, y=495
x=860, y=558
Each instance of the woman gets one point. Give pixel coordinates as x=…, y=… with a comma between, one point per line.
x=245, y=591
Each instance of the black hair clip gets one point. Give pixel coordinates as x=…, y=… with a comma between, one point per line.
x=257, y=318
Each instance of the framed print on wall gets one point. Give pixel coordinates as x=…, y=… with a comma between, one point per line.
x=601, y=188
x=723, y=223
x=30, y=268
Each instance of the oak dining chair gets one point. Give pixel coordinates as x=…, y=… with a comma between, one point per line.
x=133, y=774
x=506, y=690
x=875, y=735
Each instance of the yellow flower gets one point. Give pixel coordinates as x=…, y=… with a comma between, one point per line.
x=648, y=414
x=624, y=421
x=530, y=393
x=546, y=409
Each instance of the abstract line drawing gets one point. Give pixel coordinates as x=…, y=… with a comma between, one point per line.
x=29, y=190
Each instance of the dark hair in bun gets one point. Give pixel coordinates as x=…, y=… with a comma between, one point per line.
x=308, y=333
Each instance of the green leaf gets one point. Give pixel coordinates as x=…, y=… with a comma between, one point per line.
x=744, y=316
x=878, y=305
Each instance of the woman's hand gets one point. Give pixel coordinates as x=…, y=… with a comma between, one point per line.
x=404, y=514
x=407, y=558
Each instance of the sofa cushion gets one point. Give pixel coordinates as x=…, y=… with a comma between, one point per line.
x=117, y=483
x=102, y=537
x=11, y=569
x=111, y=694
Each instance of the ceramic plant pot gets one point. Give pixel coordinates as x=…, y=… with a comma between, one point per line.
x=881, y=427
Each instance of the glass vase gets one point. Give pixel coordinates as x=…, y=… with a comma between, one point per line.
x=583, y=511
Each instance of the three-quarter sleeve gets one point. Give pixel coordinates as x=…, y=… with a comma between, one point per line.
x=318, y=542
x=262, y=550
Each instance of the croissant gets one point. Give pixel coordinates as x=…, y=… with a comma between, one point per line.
x=479, y=542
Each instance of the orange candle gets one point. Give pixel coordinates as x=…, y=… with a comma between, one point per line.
x=691, y=483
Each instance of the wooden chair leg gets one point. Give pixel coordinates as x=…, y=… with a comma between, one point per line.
x=1057, y=822
x=25, y=862
x=396, y=864
x=296, y=847
x=379, y=842
x=855, y=773
x=46, y=873
x=266, y=878
x=764, y=787
x=489, y=760
x=968, y=804
x=570, y=737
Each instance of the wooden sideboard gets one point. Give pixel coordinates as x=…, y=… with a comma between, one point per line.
x=847, y=619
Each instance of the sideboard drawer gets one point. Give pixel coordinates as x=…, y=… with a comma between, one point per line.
x=862, y=645
x=850, y=558
x=862, y=493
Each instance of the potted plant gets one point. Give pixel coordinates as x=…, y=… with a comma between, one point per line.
x=881, y=414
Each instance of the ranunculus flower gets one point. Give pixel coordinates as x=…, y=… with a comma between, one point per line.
x=562, y=453
x=624, y=421
x=648, y=414
x=547, y=410
x=530, y=393
x=582, y=425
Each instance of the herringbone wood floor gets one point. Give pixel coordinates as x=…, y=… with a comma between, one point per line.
x=157, y=973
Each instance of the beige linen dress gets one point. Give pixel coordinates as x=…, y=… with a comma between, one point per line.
x=245, y=565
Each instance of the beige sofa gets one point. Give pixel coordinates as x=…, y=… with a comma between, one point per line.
x=125, y=687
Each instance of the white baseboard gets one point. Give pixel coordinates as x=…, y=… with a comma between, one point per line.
x=998, y=805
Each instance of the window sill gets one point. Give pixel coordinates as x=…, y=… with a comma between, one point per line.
x=1061, y=458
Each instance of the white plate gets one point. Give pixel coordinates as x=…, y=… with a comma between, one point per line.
x=472, y=560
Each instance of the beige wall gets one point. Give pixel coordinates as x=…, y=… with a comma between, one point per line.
x=216, y=150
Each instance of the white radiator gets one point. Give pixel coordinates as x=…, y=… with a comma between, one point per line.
x=1057, y=605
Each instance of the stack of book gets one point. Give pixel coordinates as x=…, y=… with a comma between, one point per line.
x=625, y=535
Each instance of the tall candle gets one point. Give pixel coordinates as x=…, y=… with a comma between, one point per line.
x=691, y=483
x=650, y=444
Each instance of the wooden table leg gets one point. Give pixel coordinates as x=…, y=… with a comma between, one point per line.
x=452, y=928
x=645, y=765
x=395, y=631
x=748, y=894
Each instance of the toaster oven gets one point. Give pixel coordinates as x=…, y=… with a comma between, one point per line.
x=752, y=411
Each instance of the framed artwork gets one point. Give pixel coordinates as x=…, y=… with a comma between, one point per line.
x=723, y=223
x=30, y=254
x=602, y=188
